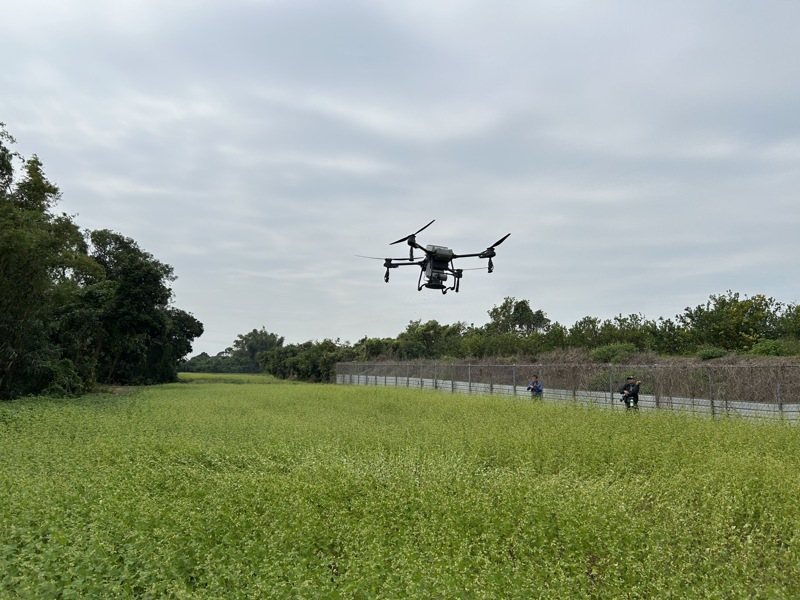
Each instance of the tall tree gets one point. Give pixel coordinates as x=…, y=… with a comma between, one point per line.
x=142, y=337
x=516, y=316
x=247, y=347
x=40, y=256
x=68, y=318
x=732, y=322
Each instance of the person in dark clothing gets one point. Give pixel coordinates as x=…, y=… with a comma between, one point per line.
x=630, y=392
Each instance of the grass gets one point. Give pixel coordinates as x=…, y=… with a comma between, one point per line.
x=227, y=378
x=300, y=491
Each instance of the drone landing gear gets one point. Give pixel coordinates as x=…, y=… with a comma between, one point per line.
x=421, y=285
x=456, y=281
x=436, y=283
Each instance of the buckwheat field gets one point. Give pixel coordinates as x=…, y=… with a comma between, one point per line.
x=247, y=488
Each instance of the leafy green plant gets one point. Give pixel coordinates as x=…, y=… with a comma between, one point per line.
x=226, y=490
x=783, y=347
x=619, y=352
x=708, y=352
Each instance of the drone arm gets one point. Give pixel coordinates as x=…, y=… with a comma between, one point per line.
x=418, y=263
x=488, y=253
x=390, y=264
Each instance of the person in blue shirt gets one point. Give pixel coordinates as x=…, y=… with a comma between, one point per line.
x=535, y=387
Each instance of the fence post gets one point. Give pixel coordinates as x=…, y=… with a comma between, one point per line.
x=469, y=378
x=491, y=380
x=435, y=377
x=514, y=377
x=657, y=388
x=711, y=395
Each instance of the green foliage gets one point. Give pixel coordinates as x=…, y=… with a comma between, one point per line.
x=731, y=322
x=241, y=357
x=246, y=348
x=64, y=379
x=618, y=352
x=516, y=332
x=709, y=352
x=227, y=378
x=310, y=361
x=297, y=491
x=367, y=348
x=516, y=316
x=585, y=333
x=789, y=322
x=782, y=347
x=71, y=315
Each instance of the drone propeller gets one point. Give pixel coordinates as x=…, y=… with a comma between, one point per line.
x=489, y=252
x=498, y=242
x=413, y=235
x=412, y=241
x=379, y=257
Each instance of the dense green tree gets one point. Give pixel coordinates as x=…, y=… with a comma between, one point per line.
x=516, y=316
x=309, y=361
x=142, y=337
x=246, y=348
x=731, y=322
x=669, y=337
x=71, y=315
x=41, y=258
x=789, y=323
x=368, y=348
x=7, y=158
x=585, y=333
x=429, y=340
x=516, y=332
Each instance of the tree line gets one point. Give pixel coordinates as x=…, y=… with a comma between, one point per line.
x=77, y=307
x=728, y=323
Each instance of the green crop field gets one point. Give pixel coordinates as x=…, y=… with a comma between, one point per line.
x=248, y=488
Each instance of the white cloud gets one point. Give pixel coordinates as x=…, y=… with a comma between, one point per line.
x=257, y=147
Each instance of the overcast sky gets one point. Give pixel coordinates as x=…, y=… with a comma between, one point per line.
x=643, y=155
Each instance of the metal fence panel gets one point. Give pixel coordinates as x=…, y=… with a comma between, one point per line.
x=755, y=392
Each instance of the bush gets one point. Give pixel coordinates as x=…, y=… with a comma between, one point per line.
x=708, y=352
x=618, y=352
x=784, y=347
x=64, y=379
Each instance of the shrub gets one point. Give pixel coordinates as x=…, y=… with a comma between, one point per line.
x=784, y=347
x=618, y=352
x=64, y=379
x=708, y=352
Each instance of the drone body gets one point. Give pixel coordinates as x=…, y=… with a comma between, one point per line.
x=436, y=266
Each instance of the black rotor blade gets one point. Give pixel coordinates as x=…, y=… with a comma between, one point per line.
x=380, y=257
x=412, y=235
x=426, y=226
x=500, y=241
